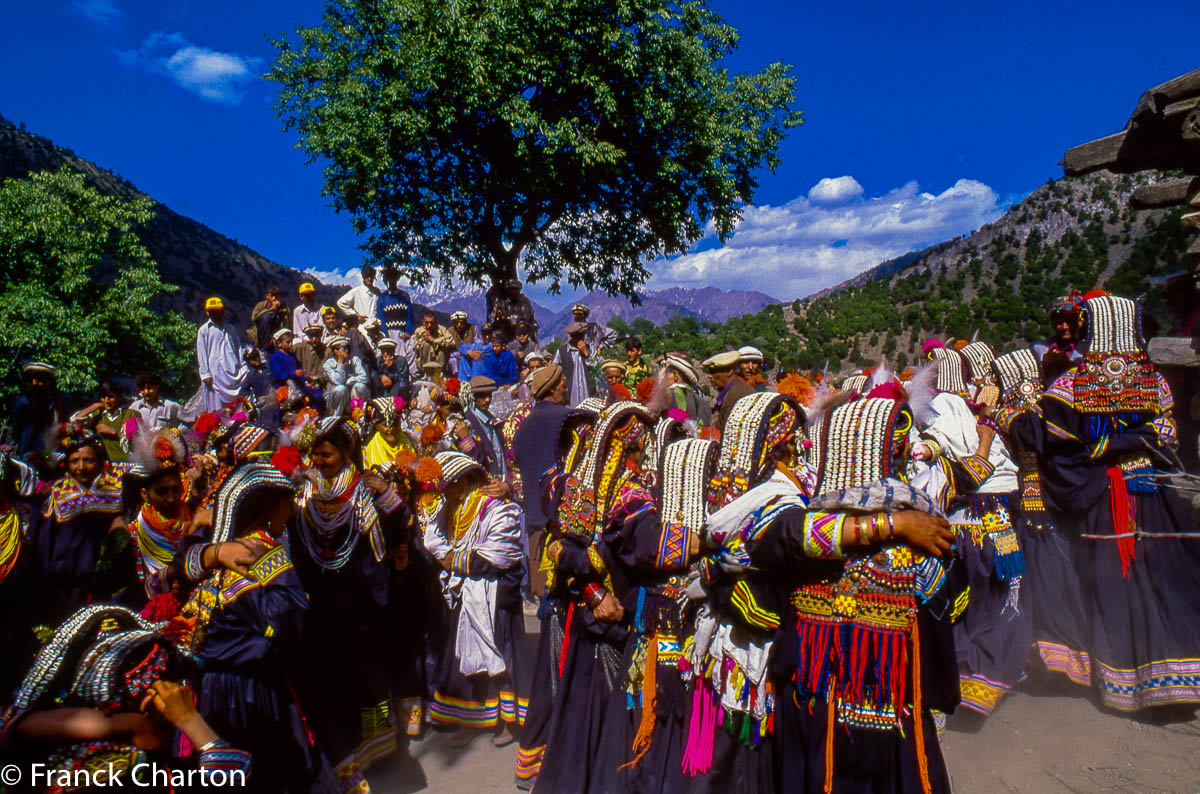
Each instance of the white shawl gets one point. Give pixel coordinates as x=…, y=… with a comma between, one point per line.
x=497, y=536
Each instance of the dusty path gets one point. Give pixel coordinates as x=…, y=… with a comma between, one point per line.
x=1045, y=737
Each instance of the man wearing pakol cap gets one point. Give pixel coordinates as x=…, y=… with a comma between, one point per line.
x=392, y=376
x=509, y=302
x=219, y=357
x=285, y=366
x=361, y=301
x=346, y=375
x=597, y=336
x=750, y=361
x=311, y=353
x=572, y=355
x=308, y=312
x=534, y=447
x=729, y=386
x=479, y=436
x=613, y=373
x=463, y=333
x=40, y=408
x=684, y=384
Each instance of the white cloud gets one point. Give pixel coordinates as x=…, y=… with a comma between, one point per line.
x=828, y=236
x=835, y=190
x=105, y=12
x=220, y=77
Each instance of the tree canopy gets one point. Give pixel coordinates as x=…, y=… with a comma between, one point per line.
x=78, y=283
x=577, y=137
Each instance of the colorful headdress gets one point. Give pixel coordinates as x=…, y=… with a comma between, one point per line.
x=455, y=465
x=666, y=430
x=1018, y=375
x=592, y=405
x=1072, y=302
x=1115, y=374
x=154, y=452
x=244, y=481
x=384, y=410
x=331, y=425
x=855, y=444
x=979, y=357
x=100, y=656
x=246, y=440
x=587, y=497
x=951, y=370
x=756, y=425
x=855, y=383
x=684, y=474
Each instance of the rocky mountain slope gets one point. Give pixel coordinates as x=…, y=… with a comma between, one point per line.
x=202, y=262
x=1069, y=233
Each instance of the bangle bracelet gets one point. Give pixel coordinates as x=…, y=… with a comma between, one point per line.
x=891, y=526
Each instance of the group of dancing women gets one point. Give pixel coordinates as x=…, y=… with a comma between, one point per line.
x=796, y=599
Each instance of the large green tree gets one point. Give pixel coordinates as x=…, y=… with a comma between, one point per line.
x=76, y=285
x=577, y=137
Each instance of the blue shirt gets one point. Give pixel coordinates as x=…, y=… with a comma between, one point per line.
x=468, y=367
x=500, y=367
x=283, y=367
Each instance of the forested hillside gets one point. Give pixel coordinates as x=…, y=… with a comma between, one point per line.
x=1069, y=233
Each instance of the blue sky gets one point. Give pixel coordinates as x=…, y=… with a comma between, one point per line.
x=923, y=120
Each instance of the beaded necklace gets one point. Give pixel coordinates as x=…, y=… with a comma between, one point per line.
x=467, y=513
x=157, y=538
x=337, y=504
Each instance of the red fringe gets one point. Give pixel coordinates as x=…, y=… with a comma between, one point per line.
x=566, y=643
x=1121, y=518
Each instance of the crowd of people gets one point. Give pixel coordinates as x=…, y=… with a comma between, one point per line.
x=742, y=583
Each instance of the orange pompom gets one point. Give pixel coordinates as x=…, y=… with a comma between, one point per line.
x=619, y=392
x=959, y=344
x=798, y=388
x=432, y=433
x=906, y=374
x=281, y=395
x=429, y=471
x=405, y=459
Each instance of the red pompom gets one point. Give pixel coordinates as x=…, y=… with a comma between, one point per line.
x=206, y=423
x=163, y=450
x=452, y=386
x=163, y=606
x=889, y=391
x=287, y=460
x=619, y=392
x=645, y=390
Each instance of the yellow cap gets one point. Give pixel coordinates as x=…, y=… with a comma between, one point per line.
x=213, y=303
x=306, y=287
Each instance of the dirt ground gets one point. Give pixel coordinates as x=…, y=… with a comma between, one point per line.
x=1045, y=737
